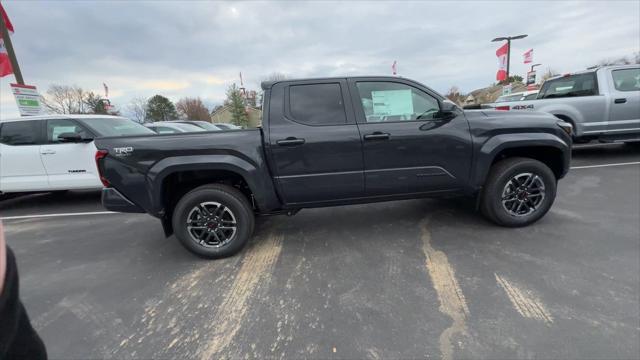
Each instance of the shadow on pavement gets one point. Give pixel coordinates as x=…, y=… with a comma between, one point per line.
x=40, y=203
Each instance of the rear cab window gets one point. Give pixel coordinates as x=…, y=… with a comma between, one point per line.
x=317, y=104
x=570, y=86
x=626, y=79
x=21, y=132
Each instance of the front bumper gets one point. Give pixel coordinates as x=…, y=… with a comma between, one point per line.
x=113, y=200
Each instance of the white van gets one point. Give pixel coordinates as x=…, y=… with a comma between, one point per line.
x=55, y=152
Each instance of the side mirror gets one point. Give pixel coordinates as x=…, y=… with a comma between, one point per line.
x=72, y=137
x=448, y=111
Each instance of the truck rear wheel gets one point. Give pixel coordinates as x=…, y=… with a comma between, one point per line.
x=213, y=221
x=518, y=192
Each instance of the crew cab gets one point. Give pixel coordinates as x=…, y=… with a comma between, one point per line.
x=336, y=141
x=601, y=103
x=55, y=152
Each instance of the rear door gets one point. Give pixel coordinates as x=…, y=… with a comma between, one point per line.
x=21, y=168
x=625, y=101
x=69, y=165
x=314, y=142
x=407, y=148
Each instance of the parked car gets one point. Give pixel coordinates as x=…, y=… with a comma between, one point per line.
x=225, y=126
x=518, y=96
x=601, y=103
x=207, y=126
x=168, y=127
x=337, y=141
x=53, y=153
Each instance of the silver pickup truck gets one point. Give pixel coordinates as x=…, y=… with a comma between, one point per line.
x=601, y=103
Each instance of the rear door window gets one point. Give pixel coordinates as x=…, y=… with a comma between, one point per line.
x=626, y=79
x=570, y=86
x=21, y=132
x=317, y=104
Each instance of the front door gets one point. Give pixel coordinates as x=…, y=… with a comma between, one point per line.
x=625, y=101
x=407, y=148
x=314, y=142
x=69, y=165
x=20, y=166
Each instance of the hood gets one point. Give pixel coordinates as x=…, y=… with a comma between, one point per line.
x=504, y=120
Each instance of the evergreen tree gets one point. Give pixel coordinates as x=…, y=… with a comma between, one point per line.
x=235, y=100
x=159, y=108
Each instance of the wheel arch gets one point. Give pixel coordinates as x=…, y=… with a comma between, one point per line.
x=171, y=178
x=546, y=148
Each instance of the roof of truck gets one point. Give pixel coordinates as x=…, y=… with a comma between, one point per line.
x=597, y=68
x=268, y=84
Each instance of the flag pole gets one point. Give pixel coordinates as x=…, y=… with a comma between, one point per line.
x=12, y=55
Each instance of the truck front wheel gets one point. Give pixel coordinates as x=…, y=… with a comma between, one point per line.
x=518, y=192
x=213, y=221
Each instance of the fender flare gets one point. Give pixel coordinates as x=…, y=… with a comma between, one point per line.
x=492, y=147
x=258, y=180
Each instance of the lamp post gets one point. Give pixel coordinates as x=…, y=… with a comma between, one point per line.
x=509, y=38
x=534, y=65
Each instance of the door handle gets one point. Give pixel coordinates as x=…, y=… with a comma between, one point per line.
x=290, y=141
x=377, y=136
x=47, y=152
x=620, y=101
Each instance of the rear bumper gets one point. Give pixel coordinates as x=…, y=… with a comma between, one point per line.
x=113, y=200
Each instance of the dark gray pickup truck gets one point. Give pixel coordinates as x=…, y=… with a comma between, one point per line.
x=336, y=141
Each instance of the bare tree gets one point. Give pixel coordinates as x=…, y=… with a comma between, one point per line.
x=548, y=74
x=275, y=76
x=65, y=99
x=454, y=95
x=192, y=109
x=138, y=109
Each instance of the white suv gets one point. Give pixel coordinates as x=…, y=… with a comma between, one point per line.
x=53, y=153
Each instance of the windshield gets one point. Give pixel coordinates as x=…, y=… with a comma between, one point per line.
x=188, y=127
x=207, y=126
x=568, y=86
x=506, y=98
x=223, y=126
x=115, y=127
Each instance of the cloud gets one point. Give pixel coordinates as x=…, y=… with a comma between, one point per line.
x=197, y=48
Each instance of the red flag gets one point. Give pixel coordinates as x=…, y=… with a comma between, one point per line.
x=5, y=64
x=501, y=53
x=7, y=22
x=528, y=56
x=394, y=67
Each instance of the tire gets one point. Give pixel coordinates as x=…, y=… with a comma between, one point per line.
x=503, y=178
x=218, y=206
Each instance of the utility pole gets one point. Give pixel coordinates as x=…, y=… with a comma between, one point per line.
x=508, y=39
x=12, y=54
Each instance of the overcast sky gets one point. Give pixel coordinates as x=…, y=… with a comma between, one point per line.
x=198, y=48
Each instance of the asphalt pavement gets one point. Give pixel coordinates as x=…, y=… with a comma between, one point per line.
x=406, y=279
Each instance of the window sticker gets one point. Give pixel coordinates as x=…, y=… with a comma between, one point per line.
x=392, y=102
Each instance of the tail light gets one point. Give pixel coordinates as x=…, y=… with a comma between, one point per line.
x=504, y=107
x=100, y=154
